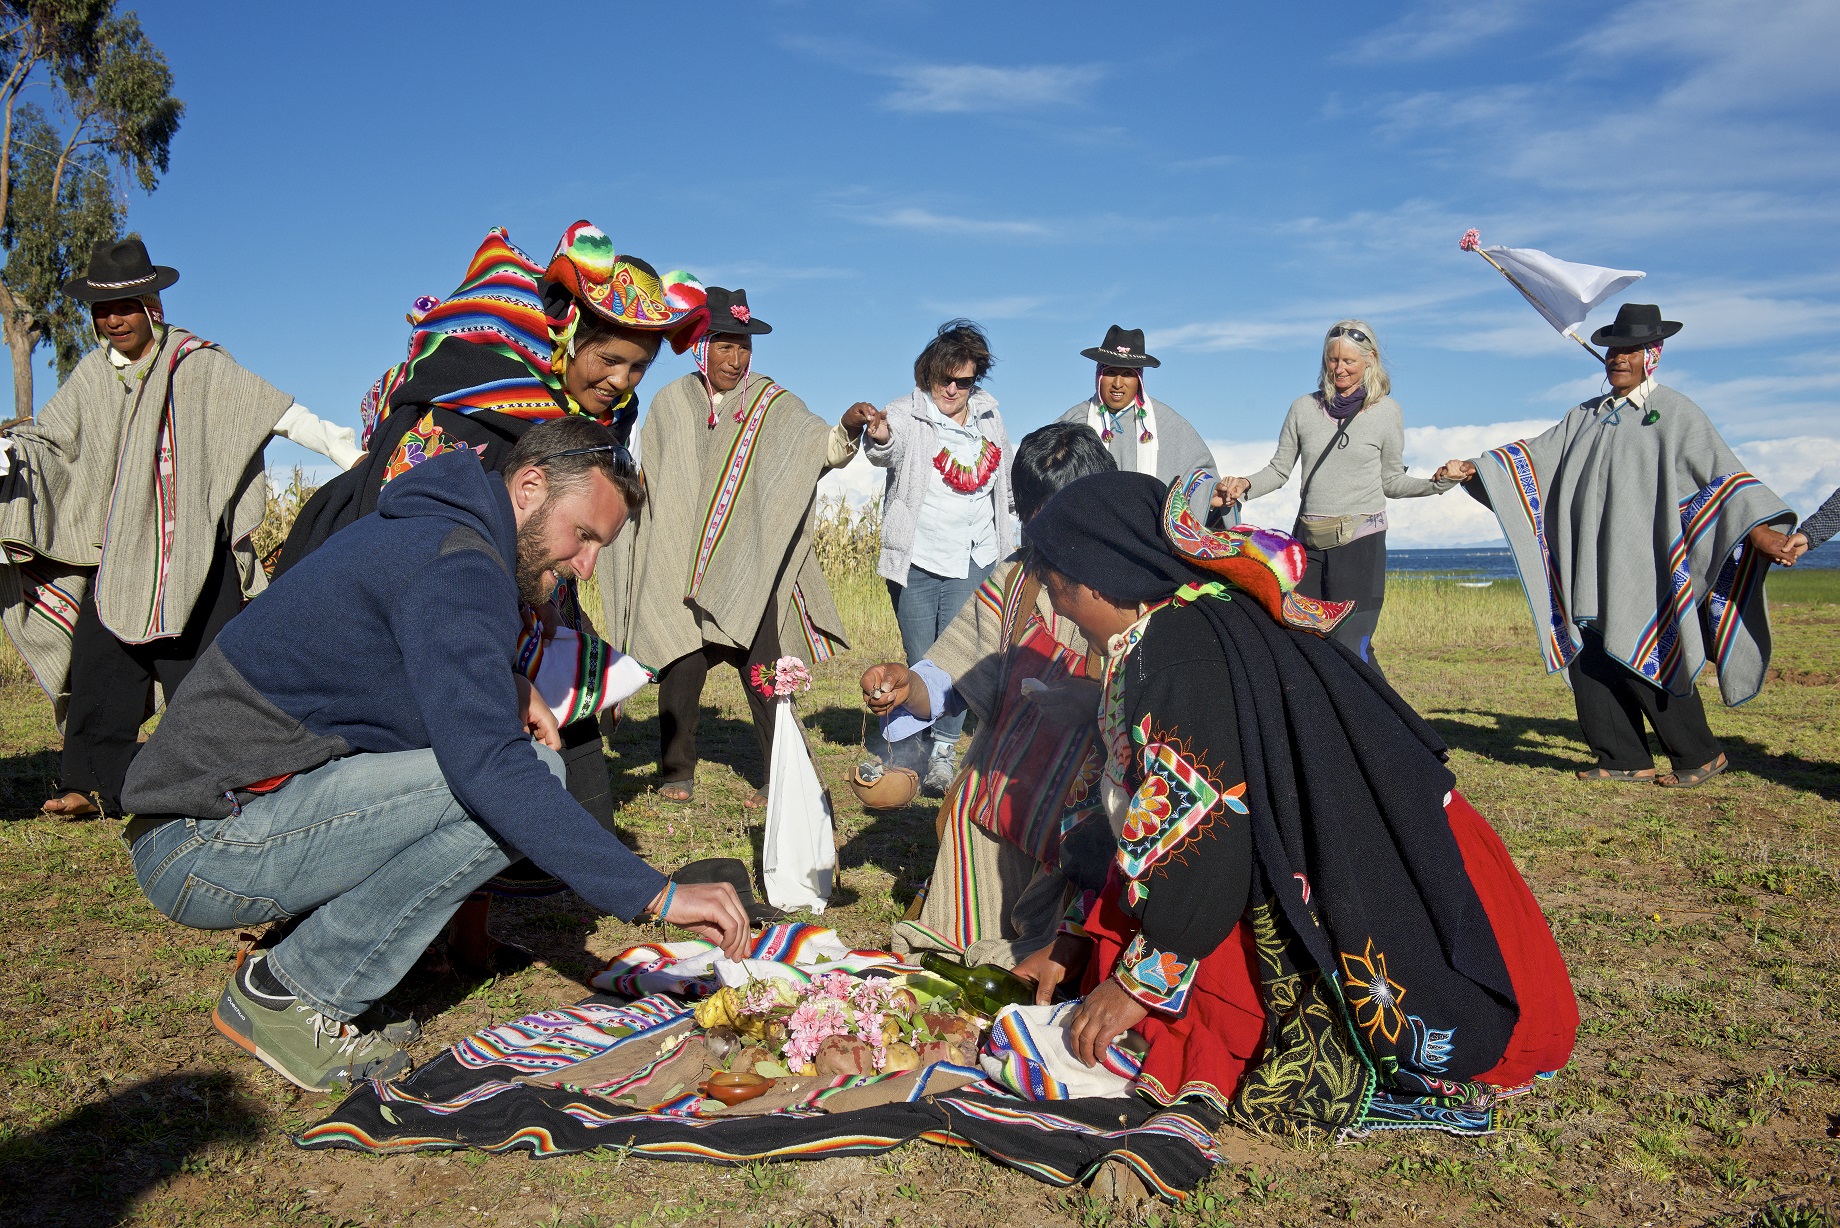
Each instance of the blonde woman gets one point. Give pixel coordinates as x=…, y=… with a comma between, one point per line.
x=1349, y=434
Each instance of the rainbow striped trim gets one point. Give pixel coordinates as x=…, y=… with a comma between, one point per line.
x=722, y=502
x=46, y=600
x=1557, y=646
x=817, y=645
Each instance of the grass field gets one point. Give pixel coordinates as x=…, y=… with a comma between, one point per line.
x=1702, y=928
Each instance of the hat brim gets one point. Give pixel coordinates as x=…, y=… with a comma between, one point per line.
x=1111, y=358
x=753, y=328
x=86, y=291
x=1625, y=341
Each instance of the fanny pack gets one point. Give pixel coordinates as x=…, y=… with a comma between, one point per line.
x=1327, y=532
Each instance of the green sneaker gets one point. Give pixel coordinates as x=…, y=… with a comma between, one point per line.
x=308, y=1049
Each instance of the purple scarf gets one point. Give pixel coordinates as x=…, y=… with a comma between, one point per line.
x=1343, y=407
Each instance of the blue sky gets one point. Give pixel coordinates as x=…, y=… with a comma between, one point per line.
x=1232, y=178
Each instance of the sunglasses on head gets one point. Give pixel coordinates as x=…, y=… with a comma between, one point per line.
x=966, y=382
x=1353, y=334
x=622, y=459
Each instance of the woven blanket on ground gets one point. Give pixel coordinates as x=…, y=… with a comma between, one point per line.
x=790, y=951
x=724, y=540
x=1633, y=524
x=509, y=1088
x=86, y=491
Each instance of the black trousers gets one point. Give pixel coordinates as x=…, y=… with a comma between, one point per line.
x=680, y=696
x=1613, y=703
x=1355, y=572
x=111, y=683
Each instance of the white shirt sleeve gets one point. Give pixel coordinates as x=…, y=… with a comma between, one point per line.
x=6, y=456
x=338, y=443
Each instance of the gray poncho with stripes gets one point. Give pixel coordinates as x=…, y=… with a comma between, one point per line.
x=1636, y=529
x=85, y=503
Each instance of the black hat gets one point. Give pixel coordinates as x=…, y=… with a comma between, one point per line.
x=119, y=270
x=1637, y=325
x=1124, y=347
x=728, y=313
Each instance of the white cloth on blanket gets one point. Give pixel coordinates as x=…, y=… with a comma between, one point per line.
x=1030, y=1052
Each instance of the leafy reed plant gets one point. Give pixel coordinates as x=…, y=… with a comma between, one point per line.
x=847, y=544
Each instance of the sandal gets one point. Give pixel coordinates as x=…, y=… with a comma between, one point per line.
x=1638, y=776
x=678, y=791
x=757, y=801
x=1693, y=778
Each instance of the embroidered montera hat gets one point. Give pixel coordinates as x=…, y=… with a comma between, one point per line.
x=1123, y=347
x=120, y=270
x=623, y=290
x=729, y=313
x=1636, y=325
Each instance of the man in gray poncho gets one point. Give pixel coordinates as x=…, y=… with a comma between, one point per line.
x=126, y=507
x=1642, y=543
x=1142, y=434
x=720, y=568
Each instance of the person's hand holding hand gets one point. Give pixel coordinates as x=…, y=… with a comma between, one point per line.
x=1773, y=544
x=1230, y=490
x=1456, y=471
x=1073, y=703
x=1054, y=963
x=1797, y=546
x=539, y=721
x=856, y=417
x=878, y=429
x=892, y=685
x=711, y=911
x=1107, y=1013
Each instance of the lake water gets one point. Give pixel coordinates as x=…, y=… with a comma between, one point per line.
x=1497, y=564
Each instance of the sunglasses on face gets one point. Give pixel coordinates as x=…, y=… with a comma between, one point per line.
x=1353, y=334
x=622, y=459
x=967, y=383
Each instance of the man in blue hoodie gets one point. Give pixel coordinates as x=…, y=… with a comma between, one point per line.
x=357, y=744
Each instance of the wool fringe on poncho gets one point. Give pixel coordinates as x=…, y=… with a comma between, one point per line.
x=1636, y=529
x=85, y=506
x=726, y=528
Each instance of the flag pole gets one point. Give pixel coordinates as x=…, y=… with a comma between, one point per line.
x=1517, y=285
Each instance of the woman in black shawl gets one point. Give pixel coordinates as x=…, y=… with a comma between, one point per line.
x=1303, y=920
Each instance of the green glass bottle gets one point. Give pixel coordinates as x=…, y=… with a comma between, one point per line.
x=985, y=989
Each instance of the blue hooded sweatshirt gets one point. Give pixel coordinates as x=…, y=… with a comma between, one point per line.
x=398, y=634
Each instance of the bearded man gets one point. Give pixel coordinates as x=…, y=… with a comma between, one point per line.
x=358, y=744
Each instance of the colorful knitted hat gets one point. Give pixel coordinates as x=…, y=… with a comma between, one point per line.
x=624, y=290
x=1264, y=563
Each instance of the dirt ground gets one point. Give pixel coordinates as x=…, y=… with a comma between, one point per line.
x=1702, y=929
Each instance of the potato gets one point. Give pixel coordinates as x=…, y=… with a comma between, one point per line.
x=901, y=1057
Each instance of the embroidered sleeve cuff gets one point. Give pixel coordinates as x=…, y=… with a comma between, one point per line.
x=1156, y=978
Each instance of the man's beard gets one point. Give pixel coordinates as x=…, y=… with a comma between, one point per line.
x=533, y=560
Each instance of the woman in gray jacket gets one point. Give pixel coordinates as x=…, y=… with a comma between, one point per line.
x=1350, y=436
x=946, y=509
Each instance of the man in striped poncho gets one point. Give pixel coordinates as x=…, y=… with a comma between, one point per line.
x=720, y=568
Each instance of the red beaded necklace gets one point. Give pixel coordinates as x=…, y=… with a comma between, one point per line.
x=968, y=479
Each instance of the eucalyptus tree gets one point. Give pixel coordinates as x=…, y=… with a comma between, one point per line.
x=86, y=106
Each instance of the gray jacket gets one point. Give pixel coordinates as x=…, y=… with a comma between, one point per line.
x=908, y=458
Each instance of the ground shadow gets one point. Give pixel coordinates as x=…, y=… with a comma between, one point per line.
x=1526, y=741
x=25, y=782
x=902, y=843
x=90, y=1166
x=841, y=726
x=719, y=739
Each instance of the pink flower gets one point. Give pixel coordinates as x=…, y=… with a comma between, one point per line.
x=740, y=312
x=1472, y=238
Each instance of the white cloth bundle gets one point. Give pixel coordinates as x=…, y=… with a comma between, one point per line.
x=800, y=857
x=580, y=675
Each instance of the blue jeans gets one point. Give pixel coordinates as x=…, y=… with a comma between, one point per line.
x=923, y=606
x=374, y=846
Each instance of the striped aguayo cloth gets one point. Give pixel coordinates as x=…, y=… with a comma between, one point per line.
x=508, y=1088
x=1637, y=530
x=726, y=529
x=85, y=503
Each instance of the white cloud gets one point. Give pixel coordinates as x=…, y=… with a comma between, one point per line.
x=1012, y=307
x=856, y=483
x=911, y=217
x=1438, y=28
x=950, y=88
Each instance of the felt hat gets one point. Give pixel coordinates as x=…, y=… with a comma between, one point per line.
x=1636, y=325
x=1123, y=347
x=623, y=290
x=120, y=269
x=729, y=313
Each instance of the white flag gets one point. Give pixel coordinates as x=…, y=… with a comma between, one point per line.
x=1561, y=291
